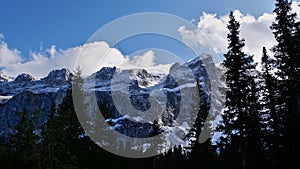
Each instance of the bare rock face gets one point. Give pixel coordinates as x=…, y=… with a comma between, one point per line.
x=26, y=94
x=58, y=77
x=23, y=78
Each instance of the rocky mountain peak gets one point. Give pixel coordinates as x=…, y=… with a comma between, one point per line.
x=24, y=78
x=58, y=77
x=4, y=77
x=105, y=73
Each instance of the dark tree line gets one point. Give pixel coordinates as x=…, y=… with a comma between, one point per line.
x=260, y=123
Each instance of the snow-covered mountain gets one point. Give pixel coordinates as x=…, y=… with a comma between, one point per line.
x=4, y=77
x=25, y=93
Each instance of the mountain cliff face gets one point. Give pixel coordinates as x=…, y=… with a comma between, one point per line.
x=25, y=93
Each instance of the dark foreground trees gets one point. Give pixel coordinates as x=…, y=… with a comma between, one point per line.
x=273, y=122
x=286, y=53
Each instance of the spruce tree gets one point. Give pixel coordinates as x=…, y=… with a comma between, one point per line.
x=240, y=123
x=156, y=130
x=66, y=143
x=24, y=143
x=269, y=83
x=297, y=66
x=57, y=151
x=201, y=155
x=286, y=52
x=271, y=120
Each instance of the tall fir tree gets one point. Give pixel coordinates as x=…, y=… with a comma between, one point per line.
x=269, y=85
x=284, y=29
x=25, y=143
x=65, y=143
x=297, y=66
x=271, y=114
x=57, y=150
x=202, y=155
x=240, y=125
x=286, y=52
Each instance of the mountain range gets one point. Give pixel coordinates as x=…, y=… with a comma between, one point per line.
x=28, y=94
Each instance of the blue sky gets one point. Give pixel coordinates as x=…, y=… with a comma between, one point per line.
x=28, y=24
x=37, y=36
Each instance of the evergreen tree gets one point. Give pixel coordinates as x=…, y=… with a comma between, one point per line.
x=57, y=150
x=202, y=114
x=284, y=29
x=297, y=68
x=156, y=140
x=24, y=144
x=5, y=155
x=156, y=130
x=65, y=142
x=272, y=123
x=269, y=84
x=240, y=121
x=286, y=53
x=297, y=53
x=202, y=155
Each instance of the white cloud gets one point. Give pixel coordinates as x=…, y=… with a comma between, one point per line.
x=210, y=33
x=8, y=56
x=256, y=31
x=52, y=50
x=296, y=8
x=1, y=36
x=90, y=57
x=146, y=61
x=143, y=61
